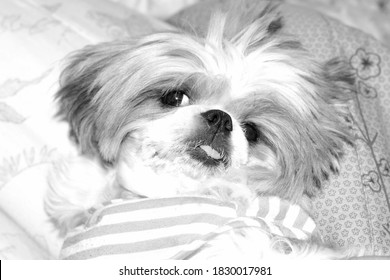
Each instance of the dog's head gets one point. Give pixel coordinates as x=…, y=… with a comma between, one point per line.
x=175, y=106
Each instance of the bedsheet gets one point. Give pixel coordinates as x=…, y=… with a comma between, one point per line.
x=372, y=16
x=35, y=35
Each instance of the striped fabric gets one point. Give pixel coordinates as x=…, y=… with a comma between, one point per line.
x=170, y=228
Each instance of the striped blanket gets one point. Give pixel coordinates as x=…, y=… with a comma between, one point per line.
x=174, y=228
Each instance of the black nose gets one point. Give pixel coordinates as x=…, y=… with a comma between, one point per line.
x=219, y=119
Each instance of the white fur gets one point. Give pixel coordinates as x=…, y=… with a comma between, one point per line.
x=77, y=184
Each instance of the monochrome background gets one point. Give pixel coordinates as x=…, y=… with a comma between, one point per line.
x=35, y=36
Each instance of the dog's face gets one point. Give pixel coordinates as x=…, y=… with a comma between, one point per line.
x=172, y=109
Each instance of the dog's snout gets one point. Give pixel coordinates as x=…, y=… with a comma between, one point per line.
x=219, y=119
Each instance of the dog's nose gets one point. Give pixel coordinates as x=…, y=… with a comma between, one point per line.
x=219, y=119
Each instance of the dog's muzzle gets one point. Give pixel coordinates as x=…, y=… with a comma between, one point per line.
x=212, y=141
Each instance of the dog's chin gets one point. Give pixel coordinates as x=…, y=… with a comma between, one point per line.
x=165, y=177
x=190, y=170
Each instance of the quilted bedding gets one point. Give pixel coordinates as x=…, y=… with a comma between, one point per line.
x=354, y=208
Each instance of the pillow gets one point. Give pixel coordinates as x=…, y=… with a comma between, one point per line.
x=354, y=206
x=35, y=35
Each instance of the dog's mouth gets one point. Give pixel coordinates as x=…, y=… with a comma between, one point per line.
x=211, y=152
x=208, y=155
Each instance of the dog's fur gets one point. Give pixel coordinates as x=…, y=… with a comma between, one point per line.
x=258, y=116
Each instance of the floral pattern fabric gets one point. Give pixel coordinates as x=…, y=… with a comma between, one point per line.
x=354, y=208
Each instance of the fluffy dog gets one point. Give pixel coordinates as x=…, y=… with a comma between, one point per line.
x=244, y=111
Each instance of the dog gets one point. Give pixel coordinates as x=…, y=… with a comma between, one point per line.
x=242, y=112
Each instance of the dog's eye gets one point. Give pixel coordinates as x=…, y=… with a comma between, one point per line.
x=175, y=98
x=251, y=132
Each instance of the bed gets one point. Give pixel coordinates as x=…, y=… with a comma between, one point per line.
x=35, y=35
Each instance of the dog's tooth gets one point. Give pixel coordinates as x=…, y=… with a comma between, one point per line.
x=211, y=152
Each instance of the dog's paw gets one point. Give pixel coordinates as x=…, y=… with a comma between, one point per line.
x=76, y=185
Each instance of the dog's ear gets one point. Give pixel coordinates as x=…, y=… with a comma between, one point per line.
x=335, y=88
x=338, y=72
x=322, y=133
x=75, y=98
x=85, y=97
